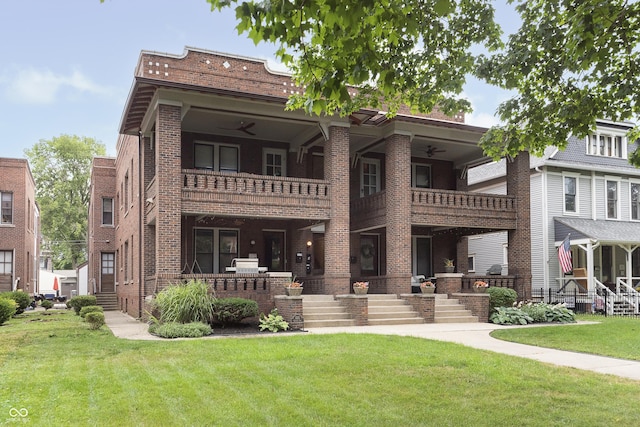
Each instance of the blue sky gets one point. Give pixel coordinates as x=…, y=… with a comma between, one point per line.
x=67, y=65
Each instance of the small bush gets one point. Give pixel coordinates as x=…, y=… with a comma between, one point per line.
x=542, y=312
x=180, y=330
x=22, y=299
x=46, y=304
x=273, y=322
x=501, y=297
x=190, y=302
x=510, y=316
x=81, y=301
x=227, y=311
x=7, y=309
x=90, y=309
x=94, y=319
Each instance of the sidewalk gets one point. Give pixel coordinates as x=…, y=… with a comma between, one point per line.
x=475, y=335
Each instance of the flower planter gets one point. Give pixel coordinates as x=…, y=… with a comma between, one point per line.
x=479, y=290
x=360, y=291
x=293, y=292
x=427, y=289
x=449, y=269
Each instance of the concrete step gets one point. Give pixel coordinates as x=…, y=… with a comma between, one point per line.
x=324, y=316
x=449, y=310
x=456, y=319
x=107, y=300
x=396, y=321
x=331, y=323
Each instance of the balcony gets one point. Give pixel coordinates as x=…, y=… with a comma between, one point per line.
x=433, y=207
x=254, y=195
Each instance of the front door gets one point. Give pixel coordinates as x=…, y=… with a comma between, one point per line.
x=274, y=250
x=369, y=255
x=107, y=269
x=422, y=264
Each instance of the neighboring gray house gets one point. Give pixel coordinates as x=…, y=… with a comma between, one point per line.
x=588, y=191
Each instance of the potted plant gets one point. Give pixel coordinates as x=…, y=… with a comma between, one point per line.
x=449, y=266
x=427, y=287
x=360, y=288
x=294, y=288
x=480, y=286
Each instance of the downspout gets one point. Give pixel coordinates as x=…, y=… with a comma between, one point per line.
x=141, y=197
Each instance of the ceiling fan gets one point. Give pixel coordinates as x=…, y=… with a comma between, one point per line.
x=433, y=150
x=243, y=128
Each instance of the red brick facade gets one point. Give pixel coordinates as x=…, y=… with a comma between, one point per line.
x=19, y=228
x=219, y=169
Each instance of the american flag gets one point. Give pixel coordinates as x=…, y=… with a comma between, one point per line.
x=564, y=255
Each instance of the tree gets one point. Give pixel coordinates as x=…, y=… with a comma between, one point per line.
x=409, y=52
x=571, y=62
x=61, y=168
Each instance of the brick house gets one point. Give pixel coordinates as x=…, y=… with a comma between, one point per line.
x=212, y=167
x=19, y=227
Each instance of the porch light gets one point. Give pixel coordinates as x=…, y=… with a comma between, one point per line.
x=308, y=243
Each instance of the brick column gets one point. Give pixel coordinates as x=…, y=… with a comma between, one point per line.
x=336, y=235
x=169, y=197
x=398, y=192
x=148, y=172
x=519, y=185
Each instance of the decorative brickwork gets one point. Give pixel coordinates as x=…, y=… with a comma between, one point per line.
x=477, y=304
x=423, y=304
x=357, y=306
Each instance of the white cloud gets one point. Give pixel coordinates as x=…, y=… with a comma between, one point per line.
x=42, y=87
x=481, y=119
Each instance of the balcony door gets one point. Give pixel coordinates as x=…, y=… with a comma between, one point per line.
x=107, y=272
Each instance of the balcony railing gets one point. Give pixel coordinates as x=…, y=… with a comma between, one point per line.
x=462, y=200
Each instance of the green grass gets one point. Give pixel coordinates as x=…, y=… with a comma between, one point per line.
x=611, y=336
x=64, y=374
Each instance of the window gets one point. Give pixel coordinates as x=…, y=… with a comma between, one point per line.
x=107, y=211
x=612, y=199
x=217, y=157
x=635, y=201
x=108, y=262
x=126, y=191
x=607, y=145
x=421, y=176
x=6, y=262
x=471, y=263
x=274, y=162
x=214, y=249
x=370, y=177
x=6, y=208
x=570, y=194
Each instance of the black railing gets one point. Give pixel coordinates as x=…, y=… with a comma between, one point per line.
x=592, y=302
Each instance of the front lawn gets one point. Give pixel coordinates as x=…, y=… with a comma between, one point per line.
x=612, y=336
x=62, y=373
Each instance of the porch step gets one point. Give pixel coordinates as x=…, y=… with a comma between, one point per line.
x=323, y=311
x=449, y=310
x=107, y=300
x=390, y=310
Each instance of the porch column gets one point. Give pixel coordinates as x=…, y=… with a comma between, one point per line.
x=169, y=197
x=336, y=236
x=148, y=256
x=398, y=212
x=519, y=185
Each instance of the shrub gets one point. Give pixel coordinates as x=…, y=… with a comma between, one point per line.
x=46, y=304
x=542, y=312
x=501, y=297
x=90, y=309
x=510, y=316
x=186, y=303
x=180, y=330
x=7, y=309
x=228, y=311
x=22, y=299
x=95, y=319
x=273, y=322
x=81, y=301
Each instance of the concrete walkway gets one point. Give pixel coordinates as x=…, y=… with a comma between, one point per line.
x=475, y=335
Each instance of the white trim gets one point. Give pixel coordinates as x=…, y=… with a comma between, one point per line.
x=216, y=153
x=576, y=177
x=631, y=183
x=276, y=152
x=371, y=161
x=617, y=180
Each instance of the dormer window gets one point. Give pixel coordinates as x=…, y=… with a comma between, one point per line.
x=607, y=144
